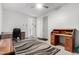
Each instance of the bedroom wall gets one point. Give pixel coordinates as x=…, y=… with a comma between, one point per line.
x=0, y=18
x=13, y=19
x=65, y=17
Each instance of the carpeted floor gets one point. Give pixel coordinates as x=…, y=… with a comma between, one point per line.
x=34, y=47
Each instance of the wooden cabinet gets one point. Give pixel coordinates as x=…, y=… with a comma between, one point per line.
x=69, y=38
x=52, y=39
x=69, y=44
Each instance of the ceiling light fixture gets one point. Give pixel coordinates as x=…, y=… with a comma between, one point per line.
x=39, y=6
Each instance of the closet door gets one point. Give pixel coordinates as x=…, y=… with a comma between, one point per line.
x=34, y=27
x=45, y=27
x=31, y=27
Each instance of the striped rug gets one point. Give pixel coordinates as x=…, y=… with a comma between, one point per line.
x=34, y=47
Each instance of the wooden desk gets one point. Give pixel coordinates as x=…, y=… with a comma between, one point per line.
x=69, y=38
x=6, y=47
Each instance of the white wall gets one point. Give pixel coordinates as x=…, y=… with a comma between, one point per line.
x=66, y=17
x=0, y=18
x=12, y=20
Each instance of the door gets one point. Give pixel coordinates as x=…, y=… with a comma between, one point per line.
x=45, y=27
x=31, y=27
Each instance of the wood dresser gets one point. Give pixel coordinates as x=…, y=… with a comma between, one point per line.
x=68, y=34
x=6, y=47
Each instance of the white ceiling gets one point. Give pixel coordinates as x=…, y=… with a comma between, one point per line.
x=27, y=8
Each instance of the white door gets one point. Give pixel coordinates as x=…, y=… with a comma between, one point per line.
x=31, y=27
x=45, y=27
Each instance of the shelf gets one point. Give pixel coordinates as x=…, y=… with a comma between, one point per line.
x=63, y=35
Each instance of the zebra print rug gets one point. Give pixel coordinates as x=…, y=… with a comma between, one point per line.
x=34, y=47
